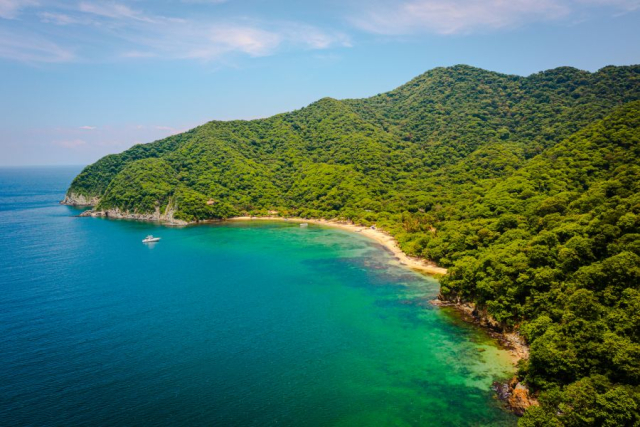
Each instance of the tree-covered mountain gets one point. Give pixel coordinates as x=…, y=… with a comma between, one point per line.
x=527, y=188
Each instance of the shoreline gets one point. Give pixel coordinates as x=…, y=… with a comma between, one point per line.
x=514, y=394
x=467, y=312
x=380, y=236
x=510, y=341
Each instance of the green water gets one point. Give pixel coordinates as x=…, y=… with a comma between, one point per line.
x=256, y=323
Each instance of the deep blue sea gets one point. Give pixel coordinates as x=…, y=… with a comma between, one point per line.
x=239, y=324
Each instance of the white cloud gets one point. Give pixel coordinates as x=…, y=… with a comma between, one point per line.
x=31, y=48
x=10, y=9
x=253, y=41
x=315, y=38
x=130, y=33
x=117, y=29
x=212, y=43
x=468, y=16
x=88, y=127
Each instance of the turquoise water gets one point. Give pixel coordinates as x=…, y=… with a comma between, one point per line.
x=239, y=324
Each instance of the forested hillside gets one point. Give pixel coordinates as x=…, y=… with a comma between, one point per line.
x=527, y=188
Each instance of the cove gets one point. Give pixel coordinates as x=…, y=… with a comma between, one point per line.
x=258, y=323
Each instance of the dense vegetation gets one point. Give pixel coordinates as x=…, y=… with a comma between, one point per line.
x=527, y=188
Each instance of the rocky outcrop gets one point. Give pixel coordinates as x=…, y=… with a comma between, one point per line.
x=165, y=217
x=470, y=312
x=520, y=398
x=515, y=395
x=75, y=199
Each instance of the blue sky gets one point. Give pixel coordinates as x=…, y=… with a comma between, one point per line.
x=81, y=79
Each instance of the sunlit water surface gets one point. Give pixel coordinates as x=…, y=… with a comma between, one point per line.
x=241, y=324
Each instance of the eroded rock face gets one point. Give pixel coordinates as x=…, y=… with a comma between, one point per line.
x=472, y=313
x=515, y=395
x=166, y=217
x=74, y=199
x=520, y=399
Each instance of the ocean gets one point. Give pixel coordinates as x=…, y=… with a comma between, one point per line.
x=234, y=324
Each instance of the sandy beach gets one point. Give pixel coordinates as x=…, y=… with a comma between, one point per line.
x=378, y=235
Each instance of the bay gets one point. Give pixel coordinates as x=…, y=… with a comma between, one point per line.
x=234, y=324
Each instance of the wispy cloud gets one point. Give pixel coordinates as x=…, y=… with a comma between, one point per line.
x=88, y=127
x=113, y=11
x=468, y=16
x=10, y=9
x=27, y=47
x=213, y=42
x=130, y=32
x=174, y=38
x=58, y=18
x=315, y=38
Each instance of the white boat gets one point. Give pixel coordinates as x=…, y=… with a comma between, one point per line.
x=150, y=239
x=304, y=224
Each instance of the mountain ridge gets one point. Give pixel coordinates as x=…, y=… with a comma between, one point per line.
x=525, y=188
x=360, y=109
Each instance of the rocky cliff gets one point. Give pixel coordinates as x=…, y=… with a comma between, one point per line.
x=75, y=199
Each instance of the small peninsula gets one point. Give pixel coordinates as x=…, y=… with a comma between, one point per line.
x=525, y=191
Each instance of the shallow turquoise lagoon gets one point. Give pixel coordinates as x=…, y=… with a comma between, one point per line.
x=242, y=324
